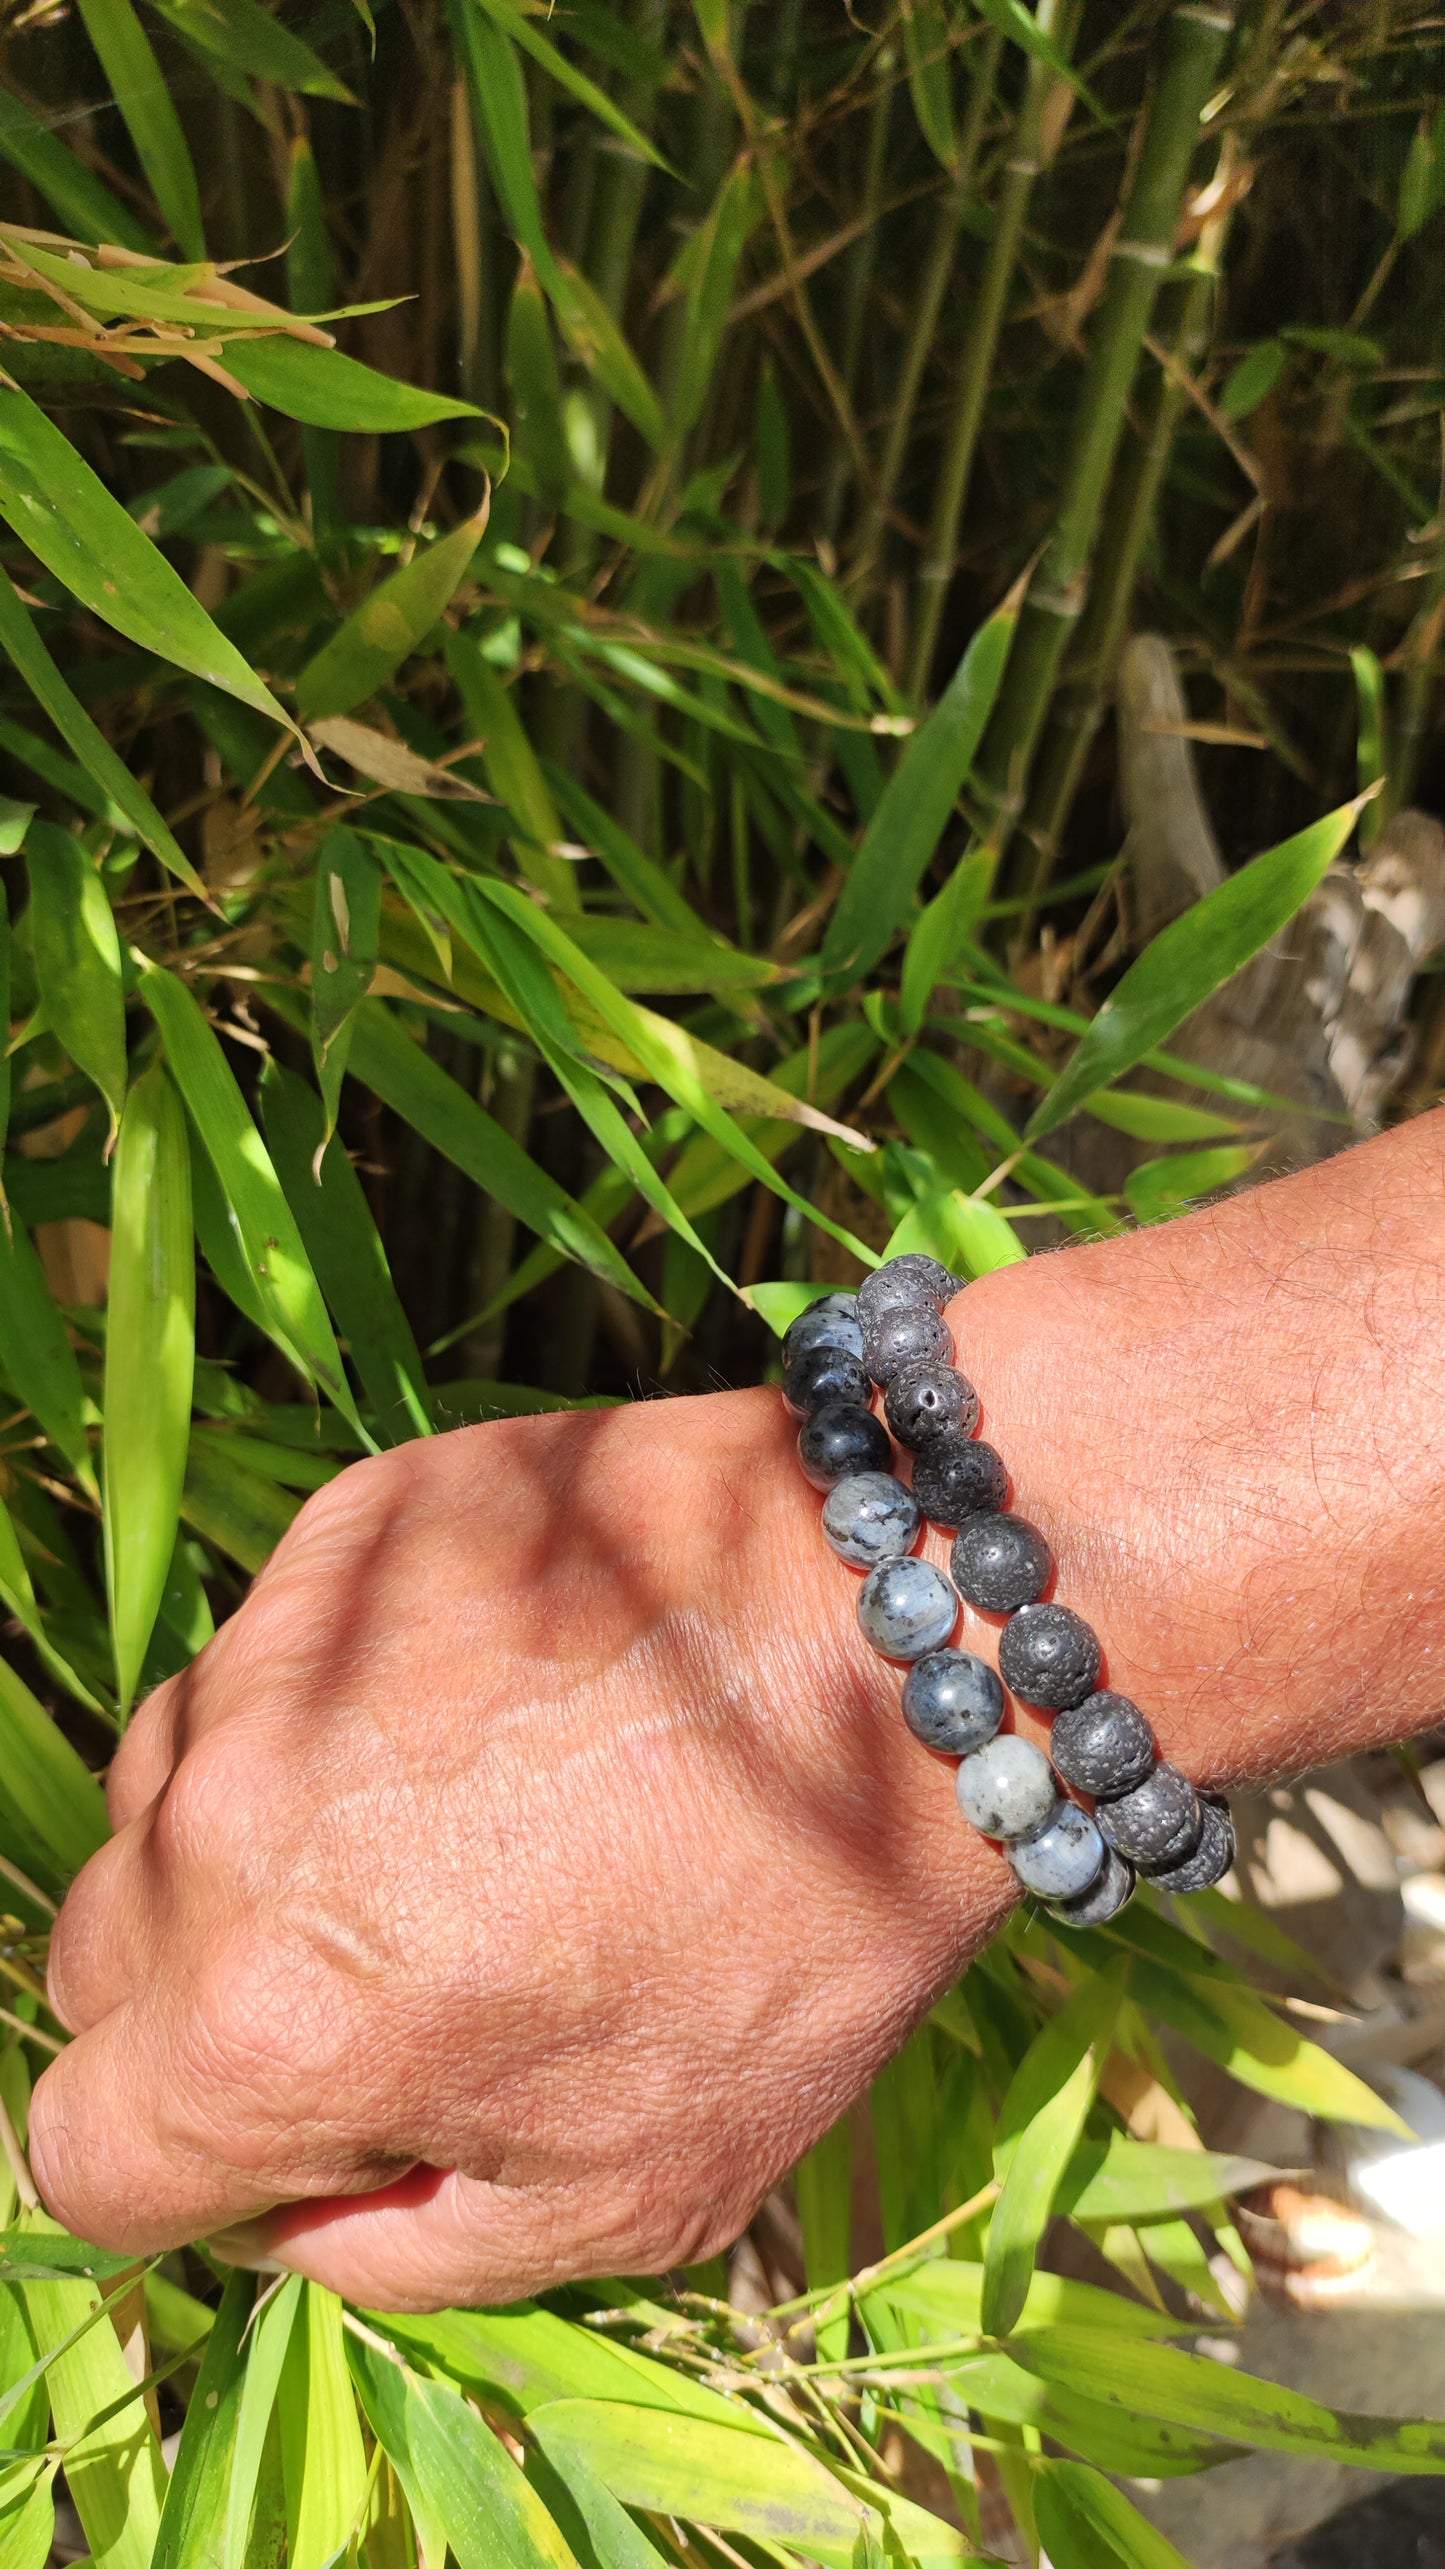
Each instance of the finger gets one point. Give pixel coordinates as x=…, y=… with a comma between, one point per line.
x=102, y=1944
x=146, y=1757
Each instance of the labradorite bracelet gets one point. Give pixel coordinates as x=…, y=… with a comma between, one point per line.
x=1147, y=1818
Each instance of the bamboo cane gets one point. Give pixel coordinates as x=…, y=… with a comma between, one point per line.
x=1194, y=42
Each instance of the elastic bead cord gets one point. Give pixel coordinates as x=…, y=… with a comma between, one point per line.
x=1147, y=1818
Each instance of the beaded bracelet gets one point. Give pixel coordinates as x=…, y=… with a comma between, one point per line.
x=1147, y=1817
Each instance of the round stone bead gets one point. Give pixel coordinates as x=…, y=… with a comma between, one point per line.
x=1007, y=1789
x=818, y=1374
x=1049, y=1656
x=840, y=1438
x=869, y=1518
x=1104, y=1898
x=952, y=1701
x=895, y=1341
x=905, y=1283
x=957, y=1476
x=907, y=1608
x=1000, y=1563
x=1210, y=1860
x=1064, y=1859
x=1160, y=1822
x=1103, y=1746
x=930, y=1400
x=833, y=1322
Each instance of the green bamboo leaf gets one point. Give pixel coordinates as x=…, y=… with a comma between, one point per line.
x=77, y=958
x=1422, y=184
x=19, y=639
x=1253, y=379
x=53, y=2256
x=114, y=2471
x=236, y=1511
x=417, y=1089
x=325, y=389
x=345, y=1248
x=1371, y=756
x=514, y=772
x=455, y=2472
x=930, y=77
x=193, y=2519
x=915, y=808
x=1192, y=2391
x=524, y=31
x=727, y=2477
x=270, y=2339
x=539, y=435
x=940, y=933
x=642, y=958
x=706, y=271
x=498, y=95
x=1229, y=2024
x=322, y=2460
x=345, y=926
x=150, y=1346
x=1039, y=2126
x=37, y=1354
x=27, y=2515
x=71, y=523
x=139, y=90
x=1083, y=2519
x=45, y=1782
x=278, y=1268
x=83, y=202
x=823, y=2188
x=595, y=2525
x=17, y=1594
x=596, y=340
x=947, y=2292
x=1189, y=959
x=246, y=40
x=388, y=627
x=1157, y=1119
x=969, y=1235
x=1022, y=28
x=1162, y=1188
x=1124, y=2180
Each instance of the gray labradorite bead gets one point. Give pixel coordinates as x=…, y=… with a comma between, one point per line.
x=869, y=1518
x=1007, y=1789
x=905, y=1283
x=1050, y=1656
x=930, y=1400
x=840, y=1438
x=1160, y=1822
x=1103, y=1746
x=1104, y=1898
x=907, y=1608
x=818, y=1374
x=1000, y=1563
x=833, y=1322
x=895, y=1341
x=957, y=1477
x=952, y=1701
x=1210, y=1860
x=1064, y=1859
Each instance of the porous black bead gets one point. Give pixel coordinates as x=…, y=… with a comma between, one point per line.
x=1209, y=1861
x=1103, y=1900
x=833, y=1322
x=1050, y=1656
x=957, y=1476
x=905, y=1283
x=1000, y=1563
x=952, y=1701
x=925, y=1401
x=1103, y=1746
x=1160, y=1822
x=841, y=1438
x=820, y=1374
x=895, y=1341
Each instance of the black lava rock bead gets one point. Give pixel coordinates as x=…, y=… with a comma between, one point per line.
x=895, y=1341
x=1000, y=1563
x=904, y=1284
x=1050, y=1657
x=1210, y=1860
x=952, y=1701
x=819, y=1374
x=841, y=1438
x=1103, y=1746
x=1160, y=1822
x=955, y=1476
x=833, y=1322
x=930, y=1400
x=1104, y=1898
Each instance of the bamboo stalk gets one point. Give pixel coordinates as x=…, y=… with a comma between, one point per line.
x=1194, y=42
x=1020, y=170
x=923, y=331
x=858, y=292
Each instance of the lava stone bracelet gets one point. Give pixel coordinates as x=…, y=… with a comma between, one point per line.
x=1147, y=1818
